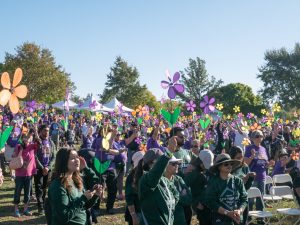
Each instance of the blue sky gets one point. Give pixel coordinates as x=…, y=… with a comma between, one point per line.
x=86, y=36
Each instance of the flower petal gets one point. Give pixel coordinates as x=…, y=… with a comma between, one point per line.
x=211, y=101
x=20, y=91
x=171, y=92
x=164, y=84
x=5, y=80
x=179, y=88
x=4, y=97
x=14, y=104
x=176, y=77
x=17, y=77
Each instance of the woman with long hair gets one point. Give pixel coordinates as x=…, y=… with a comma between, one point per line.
x=67, y=197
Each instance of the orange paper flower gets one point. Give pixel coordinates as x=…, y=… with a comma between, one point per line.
x=11, y=93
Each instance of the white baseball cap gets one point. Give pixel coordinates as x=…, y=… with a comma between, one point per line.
x=207, y=157
x=136, y=157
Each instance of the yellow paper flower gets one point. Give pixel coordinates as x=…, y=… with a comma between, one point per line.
x=149, y=130
x=246, y=142
x=200, y=135
x=219, y=106
x=236, y=109
x=276, y=107
x=263, y=111
x=147, y=117
x=98, y=117
x=296, y=132
x=269, y=124
x=70, y=117
x=228, y=117
x=11, y=93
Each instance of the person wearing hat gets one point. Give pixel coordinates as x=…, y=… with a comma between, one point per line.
x=185, y=199
x=257, y=159
x=197, y=181
x=133, y=208
x=158, y=195
x=242, y=172
x=280, y=165
x=226, y=195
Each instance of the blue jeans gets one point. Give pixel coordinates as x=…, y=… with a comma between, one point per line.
x=259, y=205
x=22, y=182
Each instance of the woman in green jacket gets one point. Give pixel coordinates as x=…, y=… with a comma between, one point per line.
x=185, y=196
x=158, y=195
x=67, y=198
x=226, y=195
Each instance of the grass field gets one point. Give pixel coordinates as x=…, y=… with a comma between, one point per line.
x=7, y=213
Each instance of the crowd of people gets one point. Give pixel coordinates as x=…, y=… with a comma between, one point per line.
x=171, y=172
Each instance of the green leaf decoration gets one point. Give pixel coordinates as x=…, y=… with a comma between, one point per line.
x=171, y=117
x=294, y=143
x=4, y=136
x=206, y=145
x=40, y=113
x=220, y=114
x=65, y=124
x=101, y=167
x=204, y=124
x=140, y=121
x=223, y=144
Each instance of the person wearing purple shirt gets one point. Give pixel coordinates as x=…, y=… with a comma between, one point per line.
x=154, y=139
x=280, y=165
x=257, y=159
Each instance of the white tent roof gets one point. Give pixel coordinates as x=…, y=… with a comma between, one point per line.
x=63, y=104
x=114, y=103
x=87, y=105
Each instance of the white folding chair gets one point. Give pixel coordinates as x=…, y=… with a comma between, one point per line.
x=282, y=178
x=282, y=191
x=285, y=191
x=267, y=197
x=254, y=192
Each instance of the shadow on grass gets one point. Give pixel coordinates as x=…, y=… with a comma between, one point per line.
x=25, y=221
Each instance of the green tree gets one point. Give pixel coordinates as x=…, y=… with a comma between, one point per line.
x=122, y=83
x=197, y=81
x=281, y=77
x=46, y=81
x=237, y=94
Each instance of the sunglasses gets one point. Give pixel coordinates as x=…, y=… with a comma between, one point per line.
x=195, y=146
x=227, y=164
x=174, y=164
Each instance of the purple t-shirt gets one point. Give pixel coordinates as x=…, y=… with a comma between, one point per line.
x=278, y=169
x=259, y=163
x=152, y=143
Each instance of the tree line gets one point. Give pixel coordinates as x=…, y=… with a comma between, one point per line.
x=47, y=81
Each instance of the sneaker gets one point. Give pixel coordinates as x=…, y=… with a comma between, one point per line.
x=27, y=212
x=17, y=213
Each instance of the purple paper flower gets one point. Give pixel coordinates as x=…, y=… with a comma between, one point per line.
x=190, y=106
x=138, y=141
x=250, y=115
x=174, y=87
x=31, y=106
x=207, y=104
x=93, y=105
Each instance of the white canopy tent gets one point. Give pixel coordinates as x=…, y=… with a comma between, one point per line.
x=63, y=105
x=114, y=103
x=93, y=105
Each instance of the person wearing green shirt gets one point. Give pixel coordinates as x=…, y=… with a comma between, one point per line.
x=185, y=196
x=242, y=172
x=158, y=195
x=226, y=195
x=67, y=198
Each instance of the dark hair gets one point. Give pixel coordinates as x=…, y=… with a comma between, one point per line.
x=61, y=168
x=234, y=151
x=139, y=171
x=174, y=131
x=43, y=126
x=198, y=164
